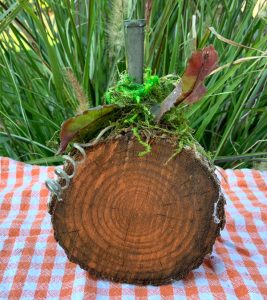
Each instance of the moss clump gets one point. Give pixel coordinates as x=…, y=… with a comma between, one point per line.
x=153, y=91
x=137, y=100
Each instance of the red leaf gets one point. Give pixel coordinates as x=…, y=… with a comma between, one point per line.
x=199, y=66
x=85, y=124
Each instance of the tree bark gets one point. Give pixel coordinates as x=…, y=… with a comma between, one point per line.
x=142, y=220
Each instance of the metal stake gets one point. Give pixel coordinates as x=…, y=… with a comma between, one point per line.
x=134, y=42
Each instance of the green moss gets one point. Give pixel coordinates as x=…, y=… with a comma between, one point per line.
x=138, y=118
x=145, y=144
x=153, y=91
x=136, y=101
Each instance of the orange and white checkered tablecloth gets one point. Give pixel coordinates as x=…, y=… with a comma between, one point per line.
x=34, y=266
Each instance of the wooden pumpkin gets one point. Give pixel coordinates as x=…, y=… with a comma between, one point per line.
x=142, y=220
x=147, y=219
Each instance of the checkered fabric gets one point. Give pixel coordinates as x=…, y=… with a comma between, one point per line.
x=34, y=266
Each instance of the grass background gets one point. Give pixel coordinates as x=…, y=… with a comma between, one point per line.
x=42, y=41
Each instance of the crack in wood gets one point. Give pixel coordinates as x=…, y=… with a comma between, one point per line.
x=176, y=184
x=73, y=244
x=167, y=217
x=185, y=182
x=97, y=205
x=195, y=193
x=64, y=232
x=168, y=204
x=160, y=263
x=128, y=227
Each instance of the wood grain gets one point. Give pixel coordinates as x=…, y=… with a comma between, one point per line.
x=137, y=219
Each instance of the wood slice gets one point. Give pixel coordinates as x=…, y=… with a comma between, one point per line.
x=137, y=219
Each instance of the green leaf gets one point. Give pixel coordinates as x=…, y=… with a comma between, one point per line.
x=51, y=51
x=86, y=123
x=46, y=160
x=10, y=14
x=4, y=139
